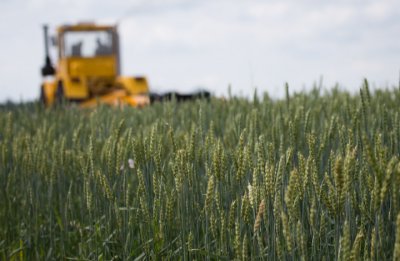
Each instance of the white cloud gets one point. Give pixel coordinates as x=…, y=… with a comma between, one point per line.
x=269, y=9
x=185, y=44
x=378, y=10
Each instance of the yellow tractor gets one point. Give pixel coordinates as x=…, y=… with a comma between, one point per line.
x=88, y=69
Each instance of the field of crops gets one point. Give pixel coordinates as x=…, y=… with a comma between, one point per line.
x=315, y=176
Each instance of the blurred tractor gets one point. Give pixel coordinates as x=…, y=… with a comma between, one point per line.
x=88, y=69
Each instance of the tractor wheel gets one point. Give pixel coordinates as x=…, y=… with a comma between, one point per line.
x=60, y=97
x=42, y=98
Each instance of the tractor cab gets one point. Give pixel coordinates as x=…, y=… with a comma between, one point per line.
x=87, y=44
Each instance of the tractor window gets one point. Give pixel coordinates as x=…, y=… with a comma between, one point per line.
x=88, y=43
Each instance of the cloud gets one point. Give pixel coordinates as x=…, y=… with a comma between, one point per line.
x=379, y=10
x=184, y=44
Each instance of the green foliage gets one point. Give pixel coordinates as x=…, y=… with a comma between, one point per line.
x=312, y=177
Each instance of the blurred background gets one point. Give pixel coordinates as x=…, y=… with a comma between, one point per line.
x=186, y=45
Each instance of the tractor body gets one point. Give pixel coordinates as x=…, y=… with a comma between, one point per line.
x=87, y=70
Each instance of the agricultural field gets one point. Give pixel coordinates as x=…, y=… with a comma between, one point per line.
x=314, y=176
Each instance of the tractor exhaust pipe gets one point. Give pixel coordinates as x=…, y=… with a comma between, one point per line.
x=47, y=69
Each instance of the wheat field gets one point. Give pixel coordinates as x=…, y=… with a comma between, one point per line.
x=314, y=176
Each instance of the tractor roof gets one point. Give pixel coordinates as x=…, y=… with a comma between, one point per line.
x=84, y=26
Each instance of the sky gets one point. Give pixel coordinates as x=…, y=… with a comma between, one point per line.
x=213, y=44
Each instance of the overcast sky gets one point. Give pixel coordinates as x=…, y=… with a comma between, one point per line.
x=184, y=45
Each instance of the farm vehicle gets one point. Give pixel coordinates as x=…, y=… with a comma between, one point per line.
x=88, y=70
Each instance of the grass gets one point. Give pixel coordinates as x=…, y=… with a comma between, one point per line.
x=315, y=176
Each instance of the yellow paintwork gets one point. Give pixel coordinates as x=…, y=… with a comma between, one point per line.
x=118, y=98
x=77, y=71
x=97, y=66
x=84, y=27
x=134, y=85
x=49, y=91
x=91, y=80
